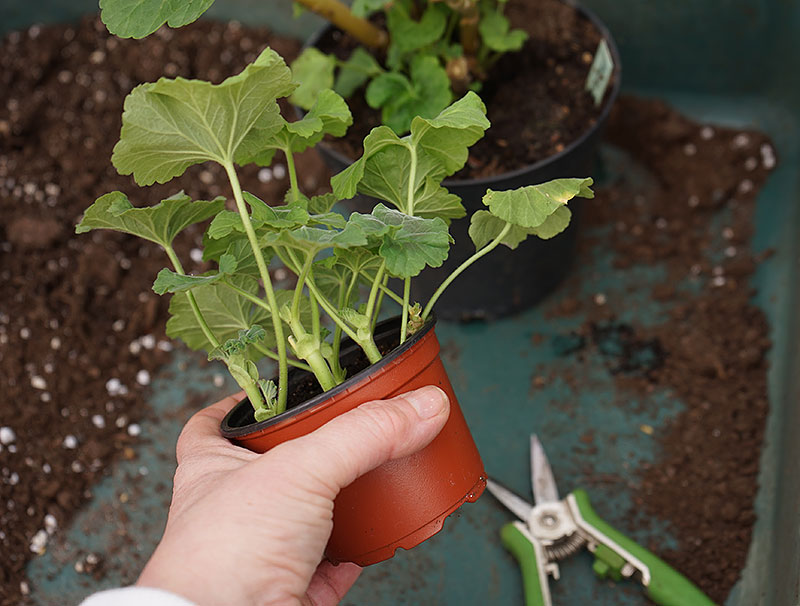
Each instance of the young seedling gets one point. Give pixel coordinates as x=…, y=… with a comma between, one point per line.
x=234, y=312
x=431, y=51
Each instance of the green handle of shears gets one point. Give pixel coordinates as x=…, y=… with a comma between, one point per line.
x=522, y=549
x=667, y=586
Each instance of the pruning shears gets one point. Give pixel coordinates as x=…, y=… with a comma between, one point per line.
x=554, y=529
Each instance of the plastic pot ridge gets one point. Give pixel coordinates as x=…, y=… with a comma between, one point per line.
x=403, y=502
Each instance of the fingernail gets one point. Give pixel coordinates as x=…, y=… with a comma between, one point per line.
x=427, y=401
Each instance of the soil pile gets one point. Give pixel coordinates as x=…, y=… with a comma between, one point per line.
x=81, y=333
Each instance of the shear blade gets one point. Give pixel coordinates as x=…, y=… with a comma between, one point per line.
x=517, y=505
x=542, y=480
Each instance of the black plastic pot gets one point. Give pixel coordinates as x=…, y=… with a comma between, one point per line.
x=511, y=281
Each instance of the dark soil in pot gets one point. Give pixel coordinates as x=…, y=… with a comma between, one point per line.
x=304, y=387
x=76, y=313
x=535, y=98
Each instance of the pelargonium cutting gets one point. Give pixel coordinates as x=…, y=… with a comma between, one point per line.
x=343, y=264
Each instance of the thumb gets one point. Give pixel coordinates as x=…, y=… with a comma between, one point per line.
x=365, y=437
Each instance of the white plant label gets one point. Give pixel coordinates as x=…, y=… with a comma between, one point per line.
x=600, y=72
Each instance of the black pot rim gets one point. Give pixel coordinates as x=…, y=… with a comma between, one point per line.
x=611, y=96
x=386, y=326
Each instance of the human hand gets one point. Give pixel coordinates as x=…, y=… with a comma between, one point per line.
x=250, y=529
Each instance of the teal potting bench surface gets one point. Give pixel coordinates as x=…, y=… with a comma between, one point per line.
x=733, y=62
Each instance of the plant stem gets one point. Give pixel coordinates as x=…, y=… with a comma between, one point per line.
x=295, y=188
x=298, y=289
x=412, y=177
x=486, y=249
x=368, y=345
x=250, y=297
x=384, y=288
x=468, y=27
x=339, y=14
x=176, y=263
x=315, y=325
x=404, y=317
x=272, y=355
x=373, y=293
x=249, y=386
x=283, y=371
x=379, y=303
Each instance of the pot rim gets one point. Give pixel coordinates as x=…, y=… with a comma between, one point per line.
x=611, y=96
x=231, y=431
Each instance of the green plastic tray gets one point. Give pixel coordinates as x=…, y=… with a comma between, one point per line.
x=734, y=63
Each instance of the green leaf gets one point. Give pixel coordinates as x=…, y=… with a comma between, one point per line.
x=409, y=35
x=358, y=260
x=485, y=227
x=334, y=273
x=554, y=224
x=495, y=31
x=354, y=73
x=275, y=217
x=238, y=345
x=531, y=206
x=322, y=204
x=159, y=223
x=362, y=8
x=237, y=246
x=435, y=201
x=270, y=392
x=426, y=94
x=328, y=116
x=170, y=281
x=172, y=124
x=314, y=239
x=225, y=311
x=409, y=243
x=140, y=18
x=440, y=146
x=313, y=70
x=331, y=220
x=225, y=223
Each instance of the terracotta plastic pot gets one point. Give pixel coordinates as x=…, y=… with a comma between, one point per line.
x=403, y=502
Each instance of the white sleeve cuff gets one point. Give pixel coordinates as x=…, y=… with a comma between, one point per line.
x=135, y=596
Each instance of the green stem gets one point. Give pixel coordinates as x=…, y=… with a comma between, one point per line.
x=283, y=371
x=298, y=289
x=412, y=177
x=314, y=357
x=246, y=295
x=249, y=386
x=383, y=287
x=379, y=304
x=486, y=249
x=315, y=324
x=292, y=174
x=368, y=345
x=344, y=299
x=404, y=317
x=272, y=355
x=373, y=293
x=176, y=263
